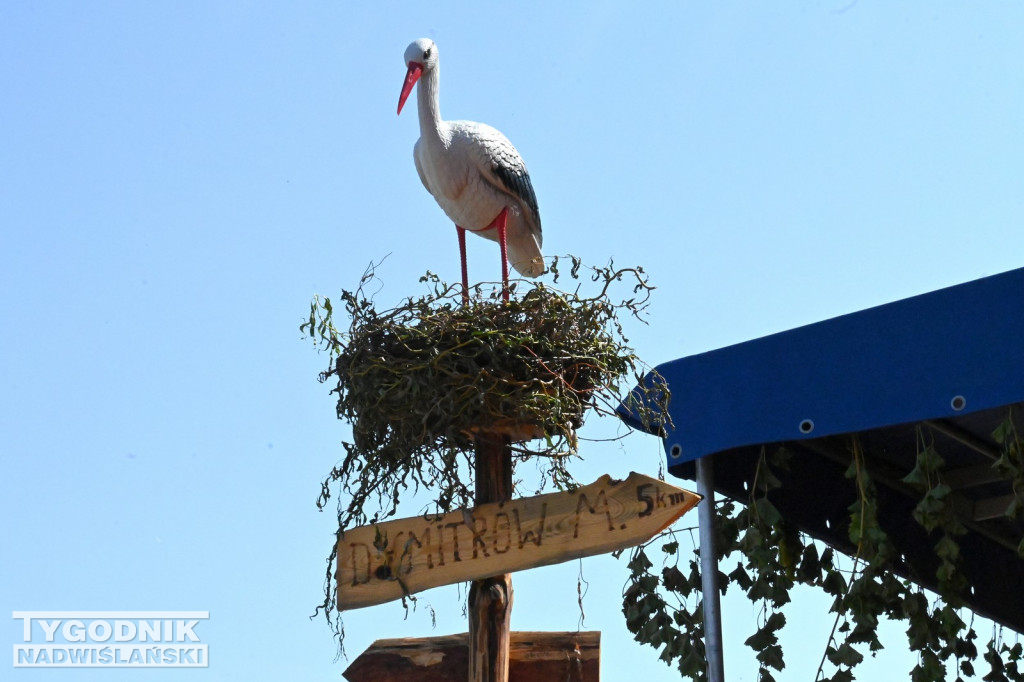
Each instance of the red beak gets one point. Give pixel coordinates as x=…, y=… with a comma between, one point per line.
x=411, y=76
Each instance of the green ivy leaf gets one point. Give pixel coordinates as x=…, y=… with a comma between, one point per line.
x=639, y=563
x=769, y=480
x=1003, y=432
x=947, y=549
x=776, y=621
x=764, y=676
x=760, y=639
x=845, y=654
x=692, y=665
x=741, y=577
x=809, y=570
x=840, y=676
x=766, y=512
x=917, y=477
x=765, y=636
x=834, y=584
x=673, y=579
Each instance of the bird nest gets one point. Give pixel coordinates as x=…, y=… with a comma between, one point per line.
x=419, y=382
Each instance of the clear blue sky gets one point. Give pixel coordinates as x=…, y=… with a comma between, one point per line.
x=177, y=179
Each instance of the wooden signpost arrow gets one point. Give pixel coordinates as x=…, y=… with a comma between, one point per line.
x=563, y=656
x=382, y=562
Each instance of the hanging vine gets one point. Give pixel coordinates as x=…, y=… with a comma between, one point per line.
x=663, y=604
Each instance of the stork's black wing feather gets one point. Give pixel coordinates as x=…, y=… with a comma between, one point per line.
x=517, y=182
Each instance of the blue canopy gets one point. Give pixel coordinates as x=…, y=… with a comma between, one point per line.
x=949, y=352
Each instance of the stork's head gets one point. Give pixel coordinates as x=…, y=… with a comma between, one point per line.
x=420, y=56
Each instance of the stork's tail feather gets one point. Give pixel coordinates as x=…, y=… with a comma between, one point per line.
x=533, y=267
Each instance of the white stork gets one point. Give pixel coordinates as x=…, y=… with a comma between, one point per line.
x=474, y=173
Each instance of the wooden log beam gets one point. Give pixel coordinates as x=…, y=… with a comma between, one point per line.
x=490, y=599
x=562, y=656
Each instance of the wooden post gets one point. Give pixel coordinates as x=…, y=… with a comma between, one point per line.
x=490, y=599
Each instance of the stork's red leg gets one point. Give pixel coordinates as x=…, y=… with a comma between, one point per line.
x=501, y=222
x=465, y=271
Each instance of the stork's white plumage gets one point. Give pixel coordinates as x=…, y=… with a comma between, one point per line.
x=472, y=170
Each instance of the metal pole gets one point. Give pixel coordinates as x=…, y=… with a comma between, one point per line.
x=709, y=570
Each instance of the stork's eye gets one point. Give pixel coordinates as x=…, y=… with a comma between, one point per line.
x=426, y=53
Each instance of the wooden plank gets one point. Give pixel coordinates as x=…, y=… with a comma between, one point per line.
x=564, y=656
x=379, y=563
x=970, y=476
x=992, y=508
